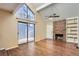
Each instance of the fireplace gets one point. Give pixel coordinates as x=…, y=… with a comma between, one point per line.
x=58, y=36
x=59, y=30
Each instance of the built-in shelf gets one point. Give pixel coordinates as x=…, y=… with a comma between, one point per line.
x=71, y=33
x=72, y=29
x=72, y=37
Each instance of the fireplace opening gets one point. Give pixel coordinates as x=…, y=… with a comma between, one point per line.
x=58, y=36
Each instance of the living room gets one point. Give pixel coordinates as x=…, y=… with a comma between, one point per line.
x=39, y=29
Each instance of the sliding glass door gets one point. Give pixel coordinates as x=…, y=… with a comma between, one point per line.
x=31, y=32
x=22, y=32
x=26, y=32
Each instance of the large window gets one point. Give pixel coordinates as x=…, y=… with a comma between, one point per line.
x=24, y=13
x=26, y=30
x=30, y=15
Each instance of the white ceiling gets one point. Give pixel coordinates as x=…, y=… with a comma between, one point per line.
x=40, y=6
x=12, y=6
x=64, y=10
x=37, y=5
x=49, y=10
x=8, y=6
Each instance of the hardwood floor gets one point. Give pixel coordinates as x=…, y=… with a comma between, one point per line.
x=44, y=48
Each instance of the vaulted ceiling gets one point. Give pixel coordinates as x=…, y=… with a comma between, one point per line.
x=12, y=6
x=37, y=5
x=8, y=6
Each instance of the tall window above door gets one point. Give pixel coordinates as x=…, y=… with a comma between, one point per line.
x=25, y=13
x=30, y=15
x=22, y=12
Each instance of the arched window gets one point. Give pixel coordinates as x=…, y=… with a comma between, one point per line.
x=24, y=12
x=30, y=14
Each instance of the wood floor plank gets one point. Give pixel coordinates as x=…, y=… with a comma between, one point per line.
x=44, y=48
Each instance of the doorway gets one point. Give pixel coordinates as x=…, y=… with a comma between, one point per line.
x=26, y=32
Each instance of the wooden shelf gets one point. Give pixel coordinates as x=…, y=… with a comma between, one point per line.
x=72, y=27
x=72, y=37
x=71, y=33
x=73, y=30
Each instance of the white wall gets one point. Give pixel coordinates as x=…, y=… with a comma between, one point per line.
x=49, y=33
x=8, y=30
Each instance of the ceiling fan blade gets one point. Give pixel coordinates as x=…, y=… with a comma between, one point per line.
x=52, y=16
x=56, y=16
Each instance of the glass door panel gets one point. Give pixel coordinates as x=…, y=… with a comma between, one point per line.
x=22, y=32
x=31, y=33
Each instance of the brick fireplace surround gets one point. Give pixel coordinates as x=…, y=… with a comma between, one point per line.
x=59, y=27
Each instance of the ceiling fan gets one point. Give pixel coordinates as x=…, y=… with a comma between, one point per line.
x=52, y=16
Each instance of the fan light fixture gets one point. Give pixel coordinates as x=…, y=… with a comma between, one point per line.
x=53, y=16
x=50, y=18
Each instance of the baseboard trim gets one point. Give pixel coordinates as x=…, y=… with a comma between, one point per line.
x=11, y=48
x=2, y=48
x=49, y=38
x=40, y=40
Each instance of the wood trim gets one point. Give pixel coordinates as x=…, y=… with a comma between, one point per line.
x=11, y=48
